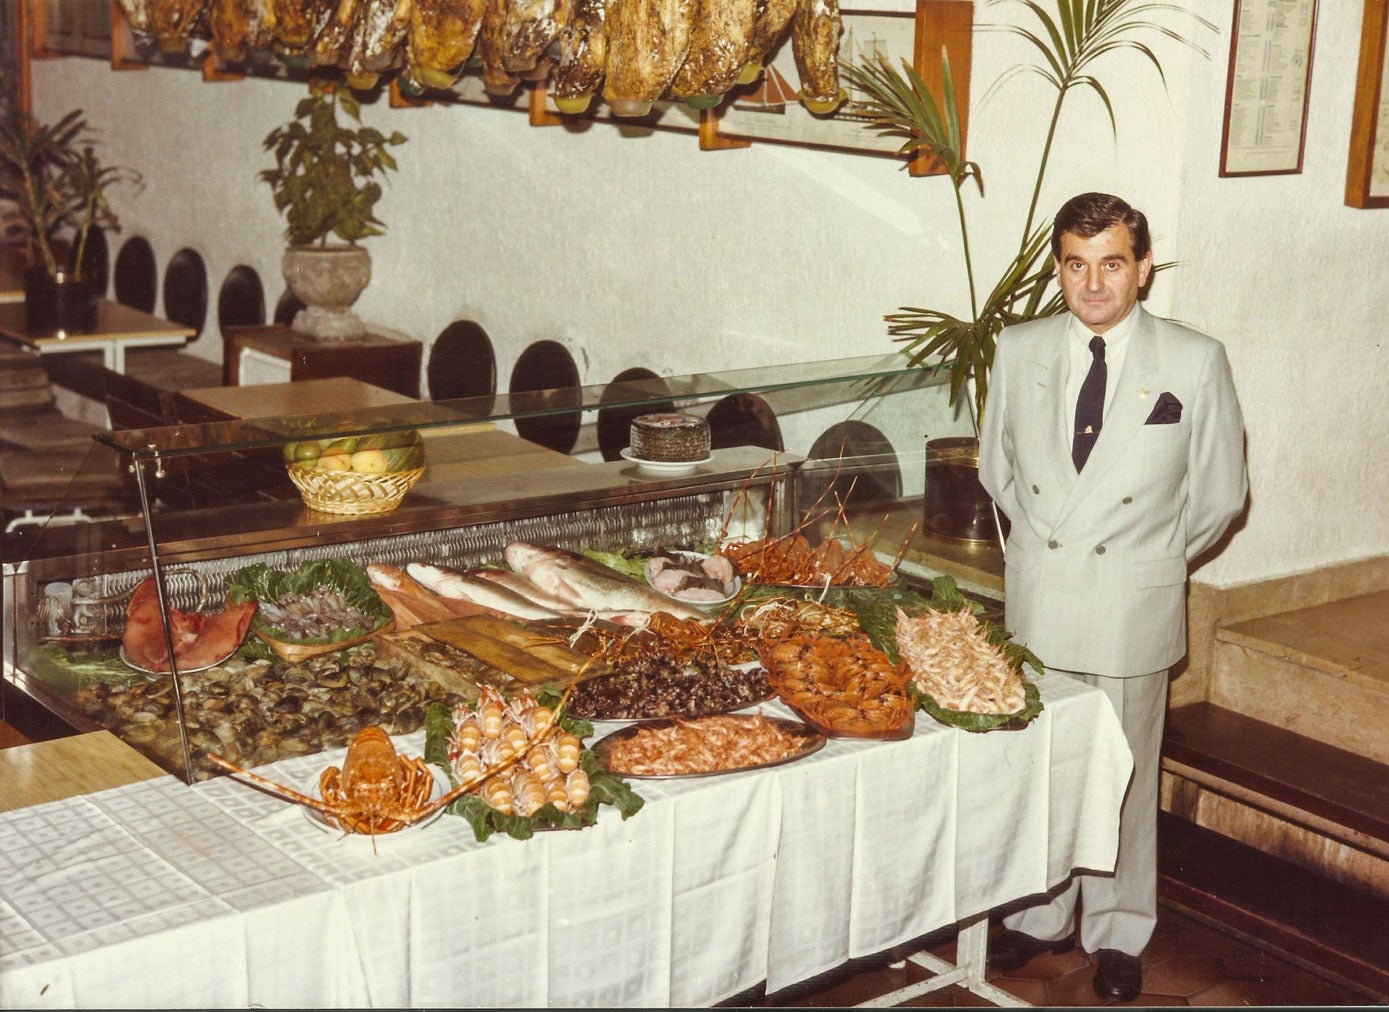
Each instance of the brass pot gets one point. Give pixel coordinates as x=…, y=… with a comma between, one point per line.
x=62, y=304
x=956, y=507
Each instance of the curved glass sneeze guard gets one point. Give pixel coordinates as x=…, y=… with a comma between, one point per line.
x=815, y=384
x=822, y=450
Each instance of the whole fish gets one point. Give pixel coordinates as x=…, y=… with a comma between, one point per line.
x=589, y=584
x=464, y=587
x=522, y=585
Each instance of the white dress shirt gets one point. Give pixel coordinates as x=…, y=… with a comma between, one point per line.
x=1115, y=345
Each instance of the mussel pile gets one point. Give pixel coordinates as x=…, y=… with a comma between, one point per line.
x=256, y=712
x=658, y=685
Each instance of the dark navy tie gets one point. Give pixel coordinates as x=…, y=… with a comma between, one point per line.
x=1090, y=406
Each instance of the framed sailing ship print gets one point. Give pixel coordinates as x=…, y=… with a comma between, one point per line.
x=1367, y=168
x=915, y=31
x=1266, y=91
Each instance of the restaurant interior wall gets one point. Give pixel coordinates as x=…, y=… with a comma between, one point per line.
x=641, y=250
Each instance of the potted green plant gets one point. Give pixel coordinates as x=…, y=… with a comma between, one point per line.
x=53, y=176
x=899, y=103
x=325, y=184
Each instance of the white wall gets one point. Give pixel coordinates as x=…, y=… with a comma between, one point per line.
x=643, y=250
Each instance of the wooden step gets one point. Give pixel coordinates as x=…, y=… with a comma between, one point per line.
x=1342, y=793
x=1304, y=917
x=1320, y=671
x=1346, y=639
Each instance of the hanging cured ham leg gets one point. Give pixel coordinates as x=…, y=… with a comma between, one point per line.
x=491, y=49
x=647, y=42
x=769, y=23
x=815, y=30
x=719, y=46
x=583, y=49
x=440, y=38
x=531, y=25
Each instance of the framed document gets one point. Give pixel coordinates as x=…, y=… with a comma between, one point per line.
x=1367, y=169
x=1266, y=91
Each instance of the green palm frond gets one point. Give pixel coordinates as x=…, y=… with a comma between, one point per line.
x=1080, y=33
x=900, y=104
x=967, y=347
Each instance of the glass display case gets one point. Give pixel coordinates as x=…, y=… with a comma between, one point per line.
x=833, y=449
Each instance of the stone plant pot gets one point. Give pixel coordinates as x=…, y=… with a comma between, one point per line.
x=64, y=303
x=956, y=506
x=328, y=280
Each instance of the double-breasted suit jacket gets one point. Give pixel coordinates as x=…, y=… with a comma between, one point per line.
x=1096, y=562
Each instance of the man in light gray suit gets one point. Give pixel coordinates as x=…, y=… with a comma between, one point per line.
x=1114, y=444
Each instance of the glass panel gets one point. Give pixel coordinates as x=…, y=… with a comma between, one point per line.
x=196, y=504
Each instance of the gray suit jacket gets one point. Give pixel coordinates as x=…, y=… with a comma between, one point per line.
x=1096, y=563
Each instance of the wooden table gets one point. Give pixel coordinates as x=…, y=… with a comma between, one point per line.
x=67, y=767
x=466, y=450
x=302, y=397
x=390, y=362
x=479, y=450
x=716, y=884
x=118, y=327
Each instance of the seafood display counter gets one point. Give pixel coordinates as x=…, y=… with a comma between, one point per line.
x=819, y=446
x=788, y=738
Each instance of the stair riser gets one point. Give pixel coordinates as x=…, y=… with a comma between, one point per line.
x=1320, y=849
x=1313, y=703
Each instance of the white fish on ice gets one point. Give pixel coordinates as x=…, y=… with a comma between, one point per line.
x=589, y=584
x=449, y=582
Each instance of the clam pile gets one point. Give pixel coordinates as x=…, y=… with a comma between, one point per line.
x=257, y=712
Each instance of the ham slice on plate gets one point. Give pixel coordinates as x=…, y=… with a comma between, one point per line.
x=199, y=640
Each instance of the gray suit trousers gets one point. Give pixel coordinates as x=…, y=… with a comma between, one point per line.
x=1118, y=911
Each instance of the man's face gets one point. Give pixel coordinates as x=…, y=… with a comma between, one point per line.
x=1100, y=277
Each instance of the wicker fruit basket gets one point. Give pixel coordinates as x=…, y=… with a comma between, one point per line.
x=352, y=491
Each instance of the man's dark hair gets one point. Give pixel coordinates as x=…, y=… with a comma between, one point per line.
x=1089, y=214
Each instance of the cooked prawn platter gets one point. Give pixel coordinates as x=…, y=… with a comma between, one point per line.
x=521, y=765
x=844, y=688
x=963, y=673
x=706, y=746
x=792, y=561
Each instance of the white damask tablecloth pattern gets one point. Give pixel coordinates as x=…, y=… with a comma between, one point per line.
x=162, y=895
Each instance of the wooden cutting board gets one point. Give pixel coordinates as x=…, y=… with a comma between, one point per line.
x=462, y=655
x=533, y=655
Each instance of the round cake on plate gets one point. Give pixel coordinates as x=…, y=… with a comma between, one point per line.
x=670, y=437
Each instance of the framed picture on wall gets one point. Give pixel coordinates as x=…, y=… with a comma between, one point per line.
x=1267, y=87
x=14, y=59
x=913, y=32
x=1367, y=168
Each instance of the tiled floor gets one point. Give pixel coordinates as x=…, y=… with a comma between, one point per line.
x=1187, y=963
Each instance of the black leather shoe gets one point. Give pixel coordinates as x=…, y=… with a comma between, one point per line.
x=1119, y=977
x=1012, y=949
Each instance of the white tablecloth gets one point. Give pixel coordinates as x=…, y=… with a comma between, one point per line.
x=161, y=895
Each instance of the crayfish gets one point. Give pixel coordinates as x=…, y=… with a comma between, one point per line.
x=375, y=791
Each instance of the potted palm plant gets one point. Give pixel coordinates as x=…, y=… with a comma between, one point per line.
x=53, y=176
x=1069, y=42
x=325, y=183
